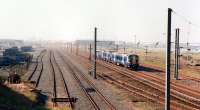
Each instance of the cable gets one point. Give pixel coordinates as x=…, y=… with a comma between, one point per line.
x=186, y=20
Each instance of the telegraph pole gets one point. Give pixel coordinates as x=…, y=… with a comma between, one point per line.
x=135, y=44
x=95, y=46
x=177, y=52
x=146, y=51
x=117, y=47
x=67, y=46
x=90, y=58
x=188, y=42
x=179, y=57
x=168, y=62
x=86, y=47
x=77, y=48
x=138, y=44
x=124, y=47
x=71, y=47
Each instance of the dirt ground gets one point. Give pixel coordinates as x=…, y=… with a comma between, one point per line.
x=20, y=97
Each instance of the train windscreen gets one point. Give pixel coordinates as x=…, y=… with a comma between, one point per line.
x=133, y=59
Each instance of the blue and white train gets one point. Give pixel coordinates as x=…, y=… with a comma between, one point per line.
x=126, y=60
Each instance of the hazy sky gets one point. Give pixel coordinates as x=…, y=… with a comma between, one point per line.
x=75, y=19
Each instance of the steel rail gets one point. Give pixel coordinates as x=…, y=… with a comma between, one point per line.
x=37, y=62
x=63, y=80
x=196, y=105
x=41, y=71
x=72, y=67
x=54, y=79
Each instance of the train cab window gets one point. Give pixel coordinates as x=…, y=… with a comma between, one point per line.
x=137, y=59
x=125, y=59
x=131, y=58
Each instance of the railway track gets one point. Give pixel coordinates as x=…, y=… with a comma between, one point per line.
x=174, y=84
x=183, y=76
x=40, y=73
x=38, y=68
x=156, y=85
x=95, y=97
x=190, y=101
x=178, y=87
x=58, y=80
x=37, y=62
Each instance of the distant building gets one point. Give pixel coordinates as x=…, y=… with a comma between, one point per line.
x=83, y=42
x=87, y=42
x=101, y=45
x=7, y=43
x=6, y=61
x=26, y=49
x=11, y=51
x=13, y=56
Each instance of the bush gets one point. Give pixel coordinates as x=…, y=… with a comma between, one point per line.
x=2, y=79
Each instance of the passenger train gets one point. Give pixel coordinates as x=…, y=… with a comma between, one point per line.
x=126, y=60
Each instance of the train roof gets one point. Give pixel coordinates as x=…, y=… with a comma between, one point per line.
x=113, y=52
x=125, y=54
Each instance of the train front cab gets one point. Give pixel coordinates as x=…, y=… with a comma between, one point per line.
x=133, y=61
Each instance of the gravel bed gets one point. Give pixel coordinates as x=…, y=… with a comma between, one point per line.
x=118, y=97
x=74, y=89
x=45, y=84
x=32, y=65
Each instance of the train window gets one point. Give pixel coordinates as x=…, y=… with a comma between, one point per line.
x=117, y=57
x=120, y=57
x=104, y=54
x=125, y=59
